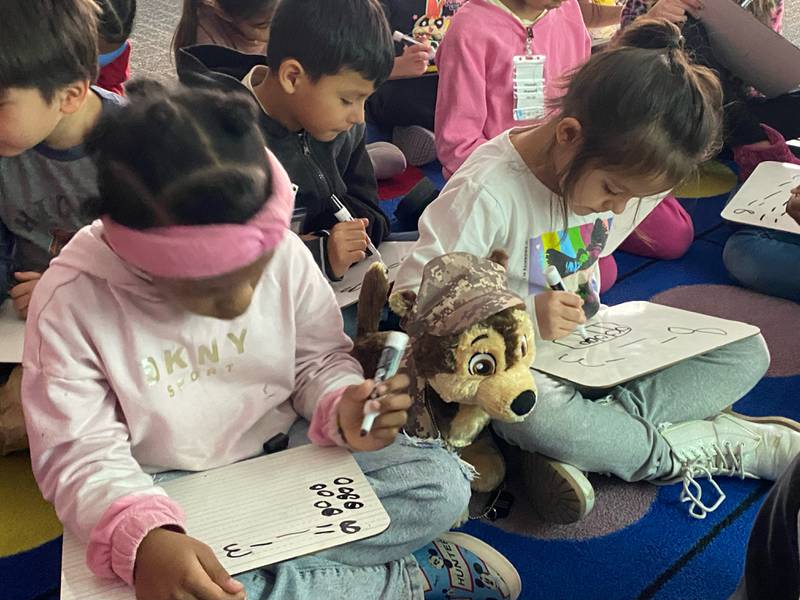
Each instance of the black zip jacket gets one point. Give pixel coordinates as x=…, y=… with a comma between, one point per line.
x=319, y=169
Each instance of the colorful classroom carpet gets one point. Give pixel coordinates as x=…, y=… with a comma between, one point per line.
x=639, y=542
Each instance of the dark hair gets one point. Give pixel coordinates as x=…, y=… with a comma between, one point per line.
x=644, y=108
x=116, y=20
x=47, y=44
x=237, y=10
x=175, y=156
x=342, y=34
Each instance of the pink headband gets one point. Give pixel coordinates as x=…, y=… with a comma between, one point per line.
x=200, y=251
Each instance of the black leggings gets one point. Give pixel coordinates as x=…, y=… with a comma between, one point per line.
x=743, y=113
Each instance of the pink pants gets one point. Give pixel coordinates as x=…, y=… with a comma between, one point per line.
x=666, y=233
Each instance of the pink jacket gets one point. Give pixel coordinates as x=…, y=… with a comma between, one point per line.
x=119, y=383
x=475, y=102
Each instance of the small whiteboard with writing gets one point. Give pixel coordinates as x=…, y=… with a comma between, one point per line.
x=633, y=339
x=256, y=513
x=392, y=254
x=762, y=200
x=12, y=334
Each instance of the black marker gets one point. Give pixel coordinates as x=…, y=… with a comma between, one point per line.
x=554, y=282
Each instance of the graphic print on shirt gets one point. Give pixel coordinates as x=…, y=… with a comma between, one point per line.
x=178, y=366
x=431, y=25
x=574, y=253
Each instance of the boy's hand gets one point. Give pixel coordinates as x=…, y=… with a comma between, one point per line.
x=393, y=401
x=22, y=292
x=173, y=566
x=558, y=313
x=675, y=11
x=412, y=63
x=793, y=208
x=347, y=245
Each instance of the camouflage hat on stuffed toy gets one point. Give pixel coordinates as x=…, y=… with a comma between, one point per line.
x=457, y=291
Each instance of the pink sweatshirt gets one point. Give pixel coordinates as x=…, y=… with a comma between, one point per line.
x=475, y=99
x=119, y=383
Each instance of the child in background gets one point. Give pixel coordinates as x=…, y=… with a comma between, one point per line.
x=193, y=248
x=405, y=105
x=321, y=67
x=765, y=259
x=548, y=195
x=239, y=24
x=48, y=59
x=756, y=128
x=114, y=29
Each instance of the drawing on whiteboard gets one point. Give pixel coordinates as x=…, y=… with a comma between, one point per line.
x=761, y=201
x=581, y=360
x=338, y=489
x=599, y=333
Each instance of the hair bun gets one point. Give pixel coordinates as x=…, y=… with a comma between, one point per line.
x=237, y=113
x=651, y=34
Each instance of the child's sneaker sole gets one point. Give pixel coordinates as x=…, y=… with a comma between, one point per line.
x=493, y=559
x=417, y=143
x=558, y=492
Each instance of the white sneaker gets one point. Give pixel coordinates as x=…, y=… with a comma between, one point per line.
x=558, y=492
x=730, y=445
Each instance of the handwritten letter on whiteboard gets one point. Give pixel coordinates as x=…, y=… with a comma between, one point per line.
x=256, y=513
x=392, y=253
x=633, y=339
x=762, y=200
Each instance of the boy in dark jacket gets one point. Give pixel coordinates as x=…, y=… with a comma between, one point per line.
x=321, y=66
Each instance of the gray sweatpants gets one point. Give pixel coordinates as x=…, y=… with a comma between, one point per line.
x=621, y=437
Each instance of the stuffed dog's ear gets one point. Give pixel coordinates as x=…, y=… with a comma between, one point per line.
x=371, y=299
x=401, y=303
x=500, y=257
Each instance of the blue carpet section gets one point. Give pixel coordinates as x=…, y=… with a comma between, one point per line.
x=32, y=575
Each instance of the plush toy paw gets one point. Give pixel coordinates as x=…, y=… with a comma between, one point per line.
x=466, y=425
x=488, y=462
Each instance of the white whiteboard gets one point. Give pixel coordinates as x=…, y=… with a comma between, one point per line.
x=392, y=255
x=256, y=513
x=12, y=334
x=762, y=200
x=633, y=339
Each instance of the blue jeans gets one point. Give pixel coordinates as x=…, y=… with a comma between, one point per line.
x=765, y=260
x=425, y=490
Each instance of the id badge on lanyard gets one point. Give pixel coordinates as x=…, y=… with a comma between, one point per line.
x=528, y=83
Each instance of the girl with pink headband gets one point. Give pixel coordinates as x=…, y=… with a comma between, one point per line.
x=184, y=329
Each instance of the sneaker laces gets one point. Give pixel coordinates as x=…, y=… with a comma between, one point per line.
x=725, y=460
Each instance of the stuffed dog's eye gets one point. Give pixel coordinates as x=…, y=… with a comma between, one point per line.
x=523, y=347
x=482, y=365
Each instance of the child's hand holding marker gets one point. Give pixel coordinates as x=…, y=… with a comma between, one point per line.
x=414, y=60
x=372, y=414
x=559, y=312
x=793, y=207
x=347, y=245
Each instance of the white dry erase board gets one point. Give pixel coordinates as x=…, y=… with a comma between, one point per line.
x=12, y=334
x=255, y=513
x=762, y=200
x=392, y=253
x=633, y=339
x=751, y=50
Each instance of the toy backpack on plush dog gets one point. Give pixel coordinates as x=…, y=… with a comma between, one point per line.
x=469, y=358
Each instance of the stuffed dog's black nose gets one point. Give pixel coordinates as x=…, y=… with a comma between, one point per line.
x=523, y=403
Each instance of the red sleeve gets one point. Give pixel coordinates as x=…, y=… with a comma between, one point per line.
x=116, y=73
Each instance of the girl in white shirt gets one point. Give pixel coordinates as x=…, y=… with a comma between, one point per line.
x=632, y=124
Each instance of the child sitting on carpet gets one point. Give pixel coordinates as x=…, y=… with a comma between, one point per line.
x=547, y=195
x=320, y=68
x=193, y=247
x=239, y=24
x=114, y=27
x=47, y=108
x=765, y=259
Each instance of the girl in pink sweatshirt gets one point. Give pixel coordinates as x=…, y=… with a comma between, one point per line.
x=184, y=329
